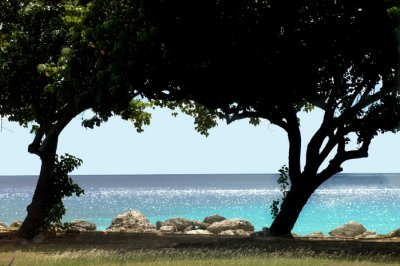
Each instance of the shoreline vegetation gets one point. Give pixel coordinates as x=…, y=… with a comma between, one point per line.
x=110, y=257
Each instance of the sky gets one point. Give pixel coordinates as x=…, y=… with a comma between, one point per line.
x=170, y=145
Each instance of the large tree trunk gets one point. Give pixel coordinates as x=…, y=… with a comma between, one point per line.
x=37, y=209
x=290, y=210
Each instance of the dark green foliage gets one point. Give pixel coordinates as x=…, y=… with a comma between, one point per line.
x=49, y=74
x=204, y=118
x=283, y=181
x=242, y=59
x=63, y=186
x=50, y=70
x=270, y=60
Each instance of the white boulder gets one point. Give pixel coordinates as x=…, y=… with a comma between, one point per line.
x=131, y=221
x=81, y=225
x=230, y=224
x=350, y=229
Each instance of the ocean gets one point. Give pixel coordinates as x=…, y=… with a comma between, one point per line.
x=370, y=199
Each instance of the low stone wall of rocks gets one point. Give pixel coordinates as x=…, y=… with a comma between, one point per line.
x=134, y=221
x=13, y=226
x=355, y=230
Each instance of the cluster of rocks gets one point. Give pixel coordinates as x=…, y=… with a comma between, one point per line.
x=135, y=221
x=355, y=230
x=13, y=226
x=75, y=225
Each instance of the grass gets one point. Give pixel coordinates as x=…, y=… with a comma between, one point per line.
x=180, y=257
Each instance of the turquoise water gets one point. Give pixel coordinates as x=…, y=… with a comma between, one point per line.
x=371, y=199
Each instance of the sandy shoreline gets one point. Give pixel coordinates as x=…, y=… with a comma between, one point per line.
x=131, y=241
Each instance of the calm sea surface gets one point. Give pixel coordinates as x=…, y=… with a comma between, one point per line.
x=371, y=199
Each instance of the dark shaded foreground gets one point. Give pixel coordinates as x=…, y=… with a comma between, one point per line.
x=131, y=241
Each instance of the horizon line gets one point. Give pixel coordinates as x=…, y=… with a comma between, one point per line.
x=170, y=174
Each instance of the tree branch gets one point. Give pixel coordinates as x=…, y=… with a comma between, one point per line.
x=35, y=145
x=364, y=102
x=333, y=140
x=341, y=156
x=232, y=118
x=354, y=96
x=68, y=114
x=240, y=114
x=313, y=158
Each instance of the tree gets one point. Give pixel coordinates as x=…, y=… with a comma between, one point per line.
x=331, y=54
x=46, y=80
x=335, y=54
x=258, y=59
x=270, y=60
x=52, y=70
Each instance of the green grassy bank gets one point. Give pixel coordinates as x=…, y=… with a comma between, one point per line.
x=180, y=257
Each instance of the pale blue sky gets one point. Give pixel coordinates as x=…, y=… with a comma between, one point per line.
x=172, y=146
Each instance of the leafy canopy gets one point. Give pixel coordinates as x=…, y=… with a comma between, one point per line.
x=47, y=77
x=48, y=69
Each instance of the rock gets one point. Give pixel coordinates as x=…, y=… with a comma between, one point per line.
x=200, y=225
x=367, y=234
x=190, y=228
x=350, y=229
x=241, y=232
x=151, y=231
x=231, y=224
x=315, y=234
x=198, y=232
x=213, y=218
x=167, y=229
x=227, y=233
x=394, y=233
x=131, y=221
x=238, y=232
x=3, y=226
x=371, y=236
x=179, y=223
x=15, y=225
x=81, y=225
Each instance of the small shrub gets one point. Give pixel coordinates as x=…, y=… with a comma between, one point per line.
x=63, y=186
x=283, y=181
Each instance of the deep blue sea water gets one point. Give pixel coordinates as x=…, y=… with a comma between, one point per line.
x=371, y=199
